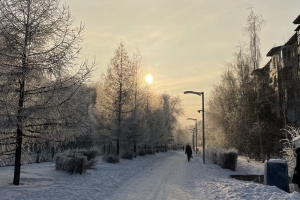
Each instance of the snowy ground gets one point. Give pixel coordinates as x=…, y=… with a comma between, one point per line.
x=160, y=176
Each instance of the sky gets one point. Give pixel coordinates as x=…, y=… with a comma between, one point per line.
x=184, y=44
x=145, y=177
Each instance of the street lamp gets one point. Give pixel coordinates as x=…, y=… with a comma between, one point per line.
x=196, y=131
x=203, y=134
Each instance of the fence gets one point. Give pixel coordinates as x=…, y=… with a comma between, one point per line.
x=46, y=153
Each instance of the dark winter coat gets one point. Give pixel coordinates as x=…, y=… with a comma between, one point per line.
x=296, y=176
x=188, y=150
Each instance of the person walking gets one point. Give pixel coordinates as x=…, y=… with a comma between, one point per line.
x=188, y=152
x=296, y=175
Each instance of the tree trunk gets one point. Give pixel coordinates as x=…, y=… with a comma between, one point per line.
x=18, y=151
x=260, y=140
x=134, y=147
x=118, y=147
x=17, y=170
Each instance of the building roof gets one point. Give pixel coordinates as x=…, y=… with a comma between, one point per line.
x=297, y=20
x=292, y=40
x=267, y=66
x=262, y=71
x=298, y=28
x=273, y=51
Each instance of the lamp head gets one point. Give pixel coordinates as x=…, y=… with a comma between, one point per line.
x=192, y=92
x=191, y=119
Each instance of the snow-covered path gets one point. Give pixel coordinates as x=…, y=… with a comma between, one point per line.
x=171, y=178
x=153, y=177
x=174, y=178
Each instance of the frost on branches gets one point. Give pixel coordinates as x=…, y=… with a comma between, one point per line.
x=289, y=148
x=39, y=76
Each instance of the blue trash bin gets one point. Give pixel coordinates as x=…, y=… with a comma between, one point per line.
x=276, y=174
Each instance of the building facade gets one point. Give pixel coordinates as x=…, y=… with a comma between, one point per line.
x=284, y=77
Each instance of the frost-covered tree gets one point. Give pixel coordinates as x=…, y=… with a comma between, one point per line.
x=240, y=105
x=288, y=151
x=182, y=136
x=172, y=109
x=254, y=24
x=114, y=99
x=233, y=113
x=223, y=110
x=127, y=111
x=40, y=75
x=163, y=118
x=137, y=121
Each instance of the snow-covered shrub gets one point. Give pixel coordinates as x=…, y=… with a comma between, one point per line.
x=142, y=152
x=288, y=151
x=214, y=155
x=76, y=161
x=225, y=158
x=127, y=155
x=111, y=158
x=91, y=154
x=230, y=159
x=71, y=163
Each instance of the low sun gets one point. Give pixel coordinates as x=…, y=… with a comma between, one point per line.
x=149, y=78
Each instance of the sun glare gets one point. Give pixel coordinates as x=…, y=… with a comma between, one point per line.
x=149, y=78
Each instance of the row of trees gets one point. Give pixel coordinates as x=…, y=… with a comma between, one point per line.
x=240, y=107
x=44, y=97
x=127, y=111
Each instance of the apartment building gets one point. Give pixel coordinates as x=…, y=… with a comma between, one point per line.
x=284, y=77
x=297, y=22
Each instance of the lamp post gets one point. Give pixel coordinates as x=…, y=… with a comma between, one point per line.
x=196, y=132
x=203, y=133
